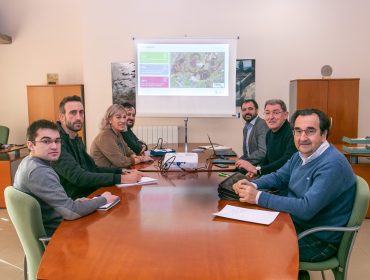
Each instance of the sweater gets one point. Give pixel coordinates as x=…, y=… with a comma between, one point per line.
x=280, y=147
x=35, y=177
x=320, y=193
x=132, y=141
x=78, y=173
x=110, y=150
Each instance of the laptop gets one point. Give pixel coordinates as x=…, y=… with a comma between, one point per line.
x=222, y=153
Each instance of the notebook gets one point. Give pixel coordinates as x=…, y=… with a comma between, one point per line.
x=229, y=153
x=108, y=206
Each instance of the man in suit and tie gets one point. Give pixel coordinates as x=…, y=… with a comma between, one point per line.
x=254, y=134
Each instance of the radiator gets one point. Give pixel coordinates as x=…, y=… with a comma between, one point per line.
x=150, y=134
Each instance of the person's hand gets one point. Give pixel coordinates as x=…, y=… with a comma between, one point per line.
x=145, y=158
x=109, y=197
x=131, y=177
x=244, y=164
x=250, y=175
x=240, y=184
x=143, y=149
x=248, y=194
x=128, y=171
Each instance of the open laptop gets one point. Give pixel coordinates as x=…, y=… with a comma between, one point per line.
x=222, y=153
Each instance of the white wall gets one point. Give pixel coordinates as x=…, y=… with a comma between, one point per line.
x=46, y=39
x=289, y=39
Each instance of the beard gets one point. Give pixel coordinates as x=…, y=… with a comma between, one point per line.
x=76, y=126
x=249, y=117
x=130, y=125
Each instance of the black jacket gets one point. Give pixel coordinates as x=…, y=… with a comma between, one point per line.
x=78, y=173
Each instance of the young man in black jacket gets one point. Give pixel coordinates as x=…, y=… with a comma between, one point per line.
x=78, y=173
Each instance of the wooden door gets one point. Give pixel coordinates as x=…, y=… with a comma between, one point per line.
x=40, y=103
x=343, y=98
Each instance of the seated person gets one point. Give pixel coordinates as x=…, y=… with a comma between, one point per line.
x=78, y=173
x=279, y=141
x=320, y=186
x=128, y=135
x=254, y=134
x=108, y=148
x=35, y=177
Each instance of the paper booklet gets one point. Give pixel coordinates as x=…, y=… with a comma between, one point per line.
x=108, y=206
x=247, y=215
x=143, y=181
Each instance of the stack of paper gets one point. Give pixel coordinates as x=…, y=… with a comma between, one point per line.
x=248, y=215
x=365, y=140
x=143, y=181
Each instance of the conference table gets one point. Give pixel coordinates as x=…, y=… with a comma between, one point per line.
x=167, y=230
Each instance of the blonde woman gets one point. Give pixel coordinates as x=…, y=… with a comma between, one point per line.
x=108, y=148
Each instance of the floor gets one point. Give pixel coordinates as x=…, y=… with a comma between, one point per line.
x=11, y=253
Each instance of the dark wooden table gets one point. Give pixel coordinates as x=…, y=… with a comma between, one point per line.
x=167, y=231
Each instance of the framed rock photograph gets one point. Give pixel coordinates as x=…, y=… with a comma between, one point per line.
x=123, y=82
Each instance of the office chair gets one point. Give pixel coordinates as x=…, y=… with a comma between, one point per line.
x=25, y=213
x=339, y=263
x=4, y=134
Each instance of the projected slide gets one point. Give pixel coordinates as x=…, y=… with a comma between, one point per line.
x=183, y=69
x=197, y=70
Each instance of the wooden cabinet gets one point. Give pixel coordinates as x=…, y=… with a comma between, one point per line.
x=338, y=98
x=43, y=101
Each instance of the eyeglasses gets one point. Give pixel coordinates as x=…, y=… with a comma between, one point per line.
x=48, y=141
x=267, y=114
x=309, y=131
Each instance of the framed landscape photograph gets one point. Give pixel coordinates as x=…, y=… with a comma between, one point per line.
x=245, y=80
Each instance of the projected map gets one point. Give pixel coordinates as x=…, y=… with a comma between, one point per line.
x=197, y=70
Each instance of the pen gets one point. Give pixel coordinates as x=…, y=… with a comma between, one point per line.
x=223, y=174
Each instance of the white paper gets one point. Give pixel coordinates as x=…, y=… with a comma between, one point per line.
x=216, y=147
x=247, y=215
x=143, y=181
x=108, y=206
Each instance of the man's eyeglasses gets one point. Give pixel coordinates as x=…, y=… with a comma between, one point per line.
x=267, y=114
x=48, y=141
x=309, y=131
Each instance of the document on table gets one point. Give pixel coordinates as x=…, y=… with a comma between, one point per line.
x=108, y=206
x=216, y=147
x=247, y=215
x=143, y=181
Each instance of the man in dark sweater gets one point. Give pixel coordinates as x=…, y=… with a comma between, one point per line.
x=279, y=140
x=78, y=173
x=130, y=138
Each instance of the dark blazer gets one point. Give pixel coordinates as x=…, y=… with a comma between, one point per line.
x=256, y=142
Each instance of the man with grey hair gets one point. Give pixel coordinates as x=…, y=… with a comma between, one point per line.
x=279, y=140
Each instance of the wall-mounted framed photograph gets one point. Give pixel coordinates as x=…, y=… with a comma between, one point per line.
x=245, y=80
x=123, y=82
